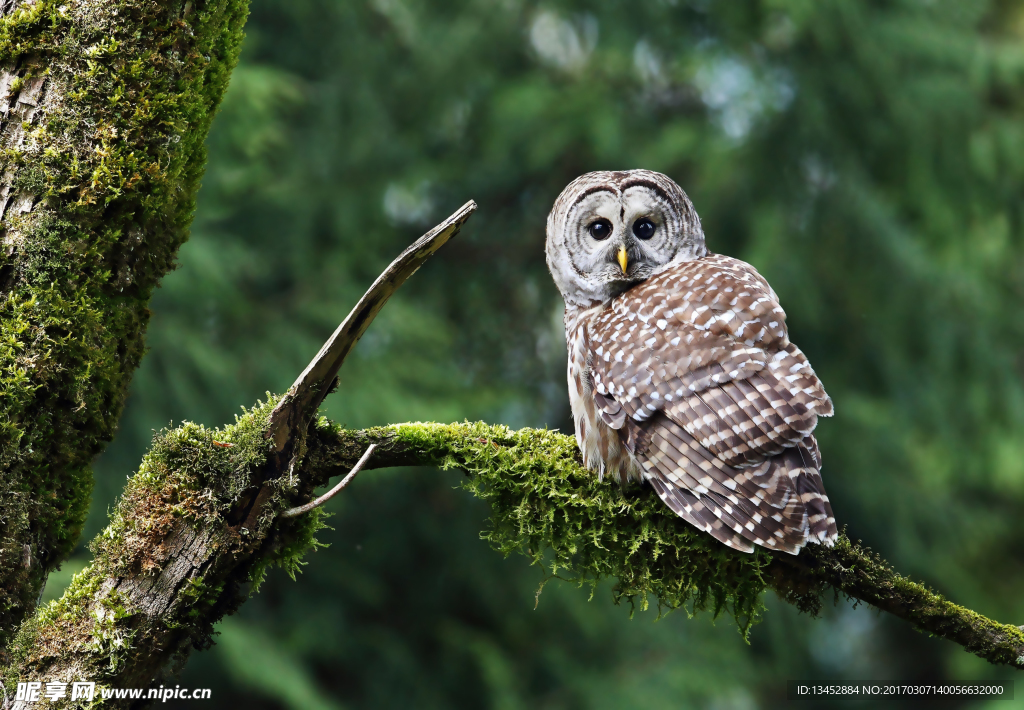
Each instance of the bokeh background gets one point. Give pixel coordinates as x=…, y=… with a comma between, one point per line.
x=866, y=156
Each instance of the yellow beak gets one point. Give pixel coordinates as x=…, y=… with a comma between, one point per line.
x=623, y=259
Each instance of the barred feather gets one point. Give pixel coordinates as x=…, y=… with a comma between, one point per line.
x=692, y=385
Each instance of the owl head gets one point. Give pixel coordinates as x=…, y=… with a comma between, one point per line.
x=610, y=230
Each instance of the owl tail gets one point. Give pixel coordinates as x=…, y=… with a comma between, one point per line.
x=779, y=504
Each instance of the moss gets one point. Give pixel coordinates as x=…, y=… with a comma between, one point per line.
x=108, y=638
x=193, y=474
x=300, y=539
x=198, y=597
x=545, y=504
x=851, y=569
x=103, y=190
x=85, y=624
x=60, y=626
x=81, y=590
x=190, y=472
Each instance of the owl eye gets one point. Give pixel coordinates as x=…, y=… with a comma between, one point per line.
x=600, y=229
x=643, y=228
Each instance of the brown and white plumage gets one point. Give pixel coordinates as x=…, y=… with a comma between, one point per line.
x=681, y=372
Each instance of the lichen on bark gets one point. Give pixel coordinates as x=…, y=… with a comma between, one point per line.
x=104, y=108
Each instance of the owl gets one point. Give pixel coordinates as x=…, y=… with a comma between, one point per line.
x=681, y=372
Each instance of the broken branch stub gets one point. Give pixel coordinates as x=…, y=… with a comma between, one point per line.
x=296, y=409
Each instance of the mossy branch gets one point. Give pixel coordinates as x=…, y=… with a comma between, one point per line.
x=542, y=499
x=104, y=107
x=176, y=558
x=190, y=532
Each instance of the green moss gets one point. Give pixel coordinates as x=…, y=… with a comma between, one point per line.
x=199, y=474
x=191, y=472
x=301, y=538
x=109, y=638
x=80, y=592
x=198, y=595
x=855, y=571
x=111, y=172
x=65, y=626
x=84, y=623
x=545, y=504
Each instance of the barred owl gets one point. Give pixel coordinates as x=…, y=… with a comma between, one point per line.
x=681, y=372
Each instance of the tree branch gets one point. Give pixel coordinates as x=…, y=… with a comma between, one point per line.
x=198, y=526
x=624, y=545
x=314, y=504
x=171, y=564
x=297, y=407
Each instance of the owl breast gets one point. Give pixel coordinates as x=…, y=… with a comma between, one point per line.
x=602, y=447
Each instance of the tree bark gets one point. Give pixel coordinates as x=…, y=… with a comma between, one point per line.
x=104, y=108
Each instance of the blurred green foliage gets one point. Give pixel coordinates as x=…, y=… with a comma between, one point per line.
x=867, y=157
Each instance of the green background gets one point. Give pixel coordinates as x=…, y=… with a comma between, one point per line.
x=866, y=157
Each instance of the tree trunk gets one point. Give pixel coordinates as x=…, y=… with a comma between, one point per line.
x=104, y=108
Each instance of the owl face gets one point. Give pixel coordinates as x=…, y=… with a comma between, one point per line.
x=610, y=230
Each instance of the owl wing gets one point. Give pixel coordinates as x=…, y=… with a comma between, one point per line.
x=695, y=370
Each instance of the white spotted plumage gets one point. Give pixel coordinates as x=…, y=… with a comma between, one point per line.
x=681, y=372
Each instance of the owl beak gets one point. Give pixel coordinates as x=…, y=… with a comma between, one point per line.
x=623, y=259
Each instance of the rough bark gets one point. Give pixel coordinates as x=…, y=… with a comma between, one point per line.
x=104, y=108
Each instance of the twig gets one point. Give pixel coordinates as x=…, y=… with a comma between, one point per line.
x=300, y=510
